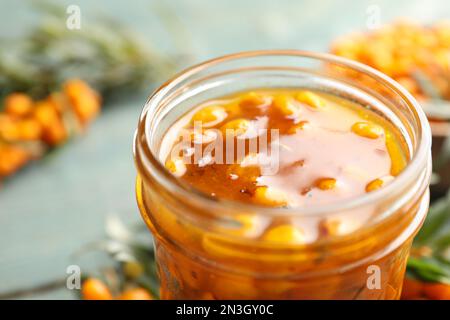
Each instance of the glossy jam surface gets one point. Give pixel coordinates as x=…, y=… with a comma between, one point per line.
x=328, y=148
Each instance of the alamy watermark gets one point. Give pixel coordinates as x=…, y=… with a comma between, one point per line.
x=73, y=21
x=374, y=277
x=73, y=280
x=373, y=20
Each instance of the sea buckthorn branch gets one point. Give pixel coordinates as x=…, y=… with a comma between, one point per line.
x=118, y=62
x=29, y=128
x=132, y=274
x=416, y=56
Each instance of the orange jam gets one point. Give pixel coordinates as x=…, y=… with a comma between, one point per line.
x=264, y=175
x=327, y=148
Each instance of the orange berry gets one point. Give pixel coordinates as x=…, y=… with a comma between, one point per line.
x=18, y=104
x=54, y=131
x=237, y=126
x=9, y=130
x=270, y=197
x=12, y=158
x=136, y=294
x=309, y=98
x=251, y=99
x=210, y=116
x=367, y=130
x=285, y=105
x=85, y=101
x=398, y=160
x=29, y=129
x=94, y=289
x=378, y=183
x=284, y=234
x=326, y=183
x=374, y=185
x=437, y=291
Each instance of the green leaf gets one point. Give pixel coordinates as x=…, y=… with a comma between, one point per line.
x=429, y=269
x=437, y=224
x=435, y=235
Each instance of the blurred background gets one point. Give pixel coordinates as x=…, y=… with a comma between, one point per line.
x=59, y=201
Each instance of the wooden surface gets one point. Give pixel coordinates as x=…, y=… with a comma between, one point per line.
x=57, y=205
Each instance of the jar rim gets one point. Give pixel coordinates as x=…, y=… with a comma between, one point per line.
x=418, y=163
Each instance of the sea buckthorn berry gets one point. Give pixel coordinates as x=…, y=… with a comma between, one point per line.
x=9, y=130
x=94, y=289
x=378, y=183
x=58, y=101
x=18, y=104
x=437, y=291
x=367, y=130
x=309, y=98
x=210, y=116
x=29, y=129
x=270, y=197
x=251, y=99
x=374, y=185
x=398, y=159
x=239, y=126
x=285, y=105
x=176, y=166
x=326, y=183
x=233, y=109
x=284, y=234
x=53, y=130
x=84, y=101
x=12, y=158
x=136, y=294
x=442, y=58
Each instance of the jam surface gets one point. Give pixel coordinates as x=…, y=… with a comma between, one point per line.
x=311, y=148
x=327, y=149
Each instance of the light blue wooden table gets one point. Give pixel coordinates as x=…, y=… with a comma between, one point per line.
x=54, y=207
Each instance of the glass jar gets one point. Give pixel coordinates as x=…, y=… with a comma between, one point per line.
x=200, y=253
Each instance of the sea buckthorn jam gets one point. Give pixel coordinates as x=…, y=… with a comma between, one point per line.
x=328, y=148
x=260, y=179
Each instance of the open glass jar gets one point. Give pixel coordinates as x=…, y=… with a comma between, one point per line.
x=199, y=253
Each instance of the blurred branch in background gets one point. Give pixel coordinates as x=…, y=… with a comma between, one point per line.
x=30, y=128
x=132, y=273
x=107, y=55
x=35, y=116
